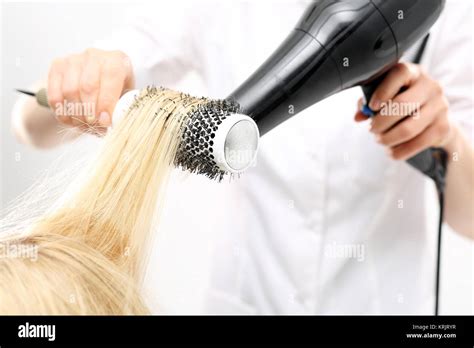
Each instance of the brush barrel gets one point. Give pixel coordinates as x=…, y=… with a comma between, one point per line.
x=235, y=143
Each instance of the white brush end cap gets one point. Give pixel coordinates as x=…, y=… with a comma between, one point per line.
x=236, y=143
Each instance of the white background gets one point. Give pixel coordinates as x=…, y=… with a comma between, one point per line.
x=32, y=34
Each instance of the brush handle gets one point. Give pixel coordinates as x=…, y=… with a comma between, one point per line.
x=121, y=107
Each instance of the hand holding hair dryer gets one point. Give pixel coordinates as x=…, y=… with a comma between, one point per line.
x=339, y=44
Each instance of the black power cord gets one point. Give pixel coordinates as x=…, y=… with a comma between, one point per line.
x=436, y=170
x=439, y=178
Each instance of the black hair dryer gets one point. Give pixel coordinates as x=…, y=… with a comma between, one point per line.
x=339, y=44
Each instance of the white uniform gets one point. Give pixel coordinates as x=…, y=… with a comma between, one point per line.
x=325, y=223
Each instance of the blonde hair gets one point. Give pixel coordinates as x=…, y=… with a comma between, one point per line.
x=91, y=251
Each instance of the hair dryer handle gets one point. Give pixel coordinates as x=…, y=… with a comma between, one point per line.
x=431, y=162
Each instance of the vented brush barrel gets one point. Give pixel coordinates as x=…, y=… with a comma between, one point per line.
x=217, y=139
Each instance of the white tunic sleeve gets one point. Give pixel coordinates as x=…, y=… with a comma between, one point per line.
x=450, y=61
x=161, y=41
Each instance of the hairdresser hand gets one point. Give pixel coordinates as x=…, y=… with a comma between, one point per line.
x=84, y=88
x=412, y=112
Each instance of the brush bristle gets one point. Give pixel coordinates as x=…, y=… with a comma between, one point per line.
x=195, y=152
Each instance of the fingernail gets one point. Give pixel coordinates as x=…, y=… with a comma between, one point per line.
x=90, y=118
x=378, y=138
x=375, y=104
x=104, y=118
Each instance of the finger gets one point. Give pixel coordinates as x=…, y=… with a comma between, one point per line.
x=90, y=86
x=54, y=90
x=401, y=75
x=408, y=103
x=383, y=122
x=431, y=136
x=410, y=127
x=360, y=117
x=129, y=83
x=70, y=87
x=111, y=86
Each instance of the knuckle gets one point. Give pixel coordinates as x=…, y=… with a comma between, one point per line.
x=380, y=93
x=402, y=68
x=88, y=86
x=422, y=70
x=53, y=101
x=56, y=66
x=81, y=120
x=54, y=97
x=405, y=131
x=68, y=61
x=64, y=120
x=72, y=121
x=444, y=128
x=106, y=101
x=115, y=62
x=396, y=154
x=402, y=100
x=383, y=139
x=395, y=151
x=114, y=69
x=123, y=60
x=69, y=90
x=58, y=62
x=68, y=64
x=444, y=105
x=118, y=54
x=438, y=88
x=90, y=51
x=75, y=59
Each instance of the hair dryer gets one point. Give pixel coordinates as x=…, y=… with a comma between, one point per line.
x=338, y=45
